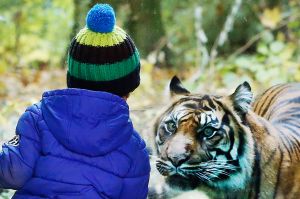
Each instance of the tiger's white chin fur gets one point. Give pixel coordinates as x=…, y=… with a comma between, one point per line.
x=192, y=195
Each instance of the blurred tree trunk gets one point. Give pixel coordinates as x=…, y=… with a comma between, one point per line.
x=146, y=27
x=80, y=10
x=114, y=3
x=79, y=13
x=17, y=23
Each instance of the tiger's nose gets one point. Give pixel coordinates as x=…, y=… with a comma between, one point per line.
x=178, y=160
x=179, y=149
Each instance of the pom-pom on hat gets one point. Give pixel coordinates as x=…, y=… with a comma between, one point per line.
x=102, y=56
x=101, y=18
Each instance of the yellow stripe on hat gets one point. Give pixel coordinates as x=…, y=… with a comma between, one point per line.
x=90, y=38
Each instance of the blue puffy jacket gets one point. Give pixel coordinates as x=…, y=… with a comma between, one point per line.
x=76, y=144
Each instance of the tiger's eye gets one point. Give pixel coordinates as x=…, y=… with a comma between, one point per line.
x=209, y=132
x=171, y=127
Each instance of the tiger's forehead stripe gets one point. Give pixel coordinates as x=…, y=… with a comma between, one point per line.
x=202, y=109
x=205, y=102
x=182, y=113
x=201, y=118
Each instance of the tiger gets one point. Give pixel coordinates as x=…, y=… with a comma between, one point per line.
x=229, y=146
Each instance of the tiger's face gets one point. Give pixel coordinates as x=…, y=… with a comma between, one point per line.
x=199, y=139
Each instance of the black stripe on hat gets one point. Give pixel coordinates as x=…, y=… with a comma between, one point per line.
x=120, y=87
x=102, y=55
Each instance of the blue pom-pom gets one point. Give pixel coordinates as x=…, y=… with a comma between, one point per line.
x=101, y=18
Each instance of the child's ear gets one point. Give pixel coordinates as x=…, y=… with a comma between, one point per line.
x=242, y=98
x=176, y=87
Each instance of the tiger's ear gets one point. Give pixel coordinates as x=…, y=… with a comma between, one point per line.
x=176, y=87
x=242, y=98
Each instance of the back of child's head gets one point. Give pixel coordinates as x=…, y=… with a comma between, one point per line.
x=102, y=56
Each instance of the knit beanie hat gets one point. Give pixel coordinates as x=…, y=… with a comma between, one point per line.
x=102, y=56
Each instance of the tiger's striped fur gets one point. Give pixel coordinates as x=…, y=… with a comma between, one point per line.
x=277, y=117
x=222, y=146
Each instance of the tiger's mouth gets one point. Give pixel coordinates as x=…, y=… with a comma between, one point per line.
x=206, y=172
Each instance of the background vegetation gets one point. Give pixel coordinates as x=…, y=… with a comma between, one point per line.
x=213, y=45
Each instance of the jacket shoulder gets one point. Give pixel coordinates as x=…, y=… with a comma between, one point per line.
x=35, y=108
x=136, y=150
x=27, y=124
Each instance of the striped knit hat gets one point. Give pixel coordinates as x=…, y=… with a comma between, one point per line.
x=102, y=56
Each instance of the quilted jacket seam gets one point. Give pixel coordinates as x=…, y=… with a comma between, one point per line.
x=84, y=163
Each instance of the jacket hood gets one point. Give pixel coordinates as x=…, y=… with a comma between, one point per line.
x=87, y=122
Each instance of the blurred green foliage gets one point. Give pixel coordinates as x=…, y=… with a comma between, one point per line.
x=276, y=57
x=262, y=47
x=252, y=19
x=34, y=33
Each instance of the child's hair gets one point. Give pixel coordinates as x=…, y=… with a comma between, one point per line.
x=102, y=56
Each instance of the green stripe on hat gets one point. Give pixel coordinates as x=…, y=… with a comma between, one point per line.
x=104, y=72
x=90, y=38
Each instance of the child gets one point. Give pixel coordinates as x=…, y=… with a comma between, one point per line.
x=79, y=142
